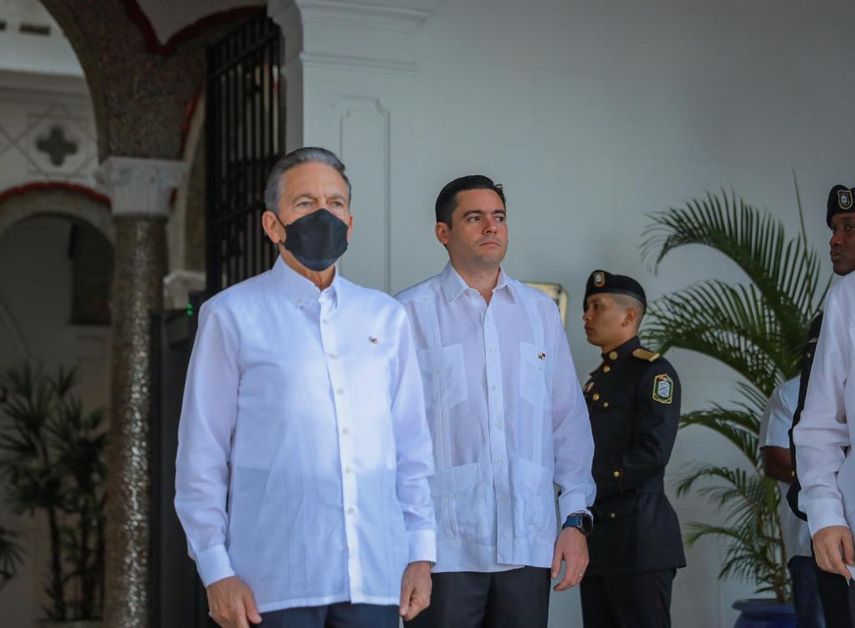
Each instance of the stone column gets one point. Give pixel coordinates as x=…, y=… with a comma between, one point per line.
x=351, y=75
x=140, y=192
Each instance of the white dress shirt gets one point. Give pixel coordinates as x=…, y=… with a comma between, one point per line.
x=303, y=451
x=823, y=437
x=507, y=419
x=774, y=432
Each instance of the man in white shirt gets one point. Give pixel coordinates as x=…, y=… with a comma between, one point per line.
x=304, y=454
x=508, y=420
x=823, y=436
x=774, y=443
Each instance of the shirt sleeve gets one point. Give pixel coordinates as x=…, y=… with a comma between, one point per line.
x=573, y=442
x=656, y=423
x=414, y=448
x=822, y=434
x=208, y=415
x=778, y=417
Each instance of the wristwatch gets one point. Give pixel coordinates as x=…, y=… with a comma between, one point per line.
x=582, y=521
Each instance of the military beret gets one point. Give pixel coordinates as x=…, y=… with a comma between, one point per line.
x=840, y=201
x=602, y=282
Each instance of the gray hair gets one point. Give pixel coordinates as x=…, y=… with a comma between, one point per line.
x=305, y=155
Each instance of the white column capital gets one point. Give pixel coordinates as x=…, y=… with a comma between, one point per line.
x=141, y=187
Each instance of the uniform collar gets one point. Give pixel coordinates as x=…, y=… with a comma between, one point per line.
x=622, y=351
x=453, y=284
x=301, y=290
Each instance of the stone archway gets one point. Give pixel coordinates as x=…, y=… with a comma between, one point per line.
x=57, y=199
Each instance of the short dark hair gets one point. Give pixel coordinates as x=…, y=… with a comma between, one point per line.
x=305, y=155
x=447, y=199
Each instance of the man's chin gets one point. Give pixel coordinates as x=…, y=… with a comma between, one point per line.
x=842, y=268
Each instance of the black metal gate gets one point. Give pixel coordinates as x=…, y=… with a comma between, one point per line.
x=245, y=134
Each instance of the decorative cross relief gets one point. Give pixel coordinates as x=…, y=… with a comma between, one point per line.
x=56, y=145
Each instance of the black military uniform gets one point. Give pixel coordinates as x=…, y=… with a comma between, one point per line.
x=635, y=548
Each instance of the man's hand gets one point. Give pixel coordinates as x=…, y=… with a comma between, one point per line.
x=834, y=550
x=572, y=549
x=415, y=589
x=231, y=604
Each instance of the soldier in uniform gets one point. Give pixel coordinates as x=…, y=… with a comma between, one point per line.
x=634, y=404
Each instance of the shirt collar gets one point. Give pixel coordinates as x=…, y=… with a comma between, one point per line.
x=623, y=350
x=301, y=290
x=453, y=284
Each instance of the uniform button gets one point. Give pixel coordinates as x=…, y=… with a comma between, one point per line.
x=613, y=355
x=615, y=474
x=605, y=404
x=596, y=397
x=611, y=515
x=606, y=368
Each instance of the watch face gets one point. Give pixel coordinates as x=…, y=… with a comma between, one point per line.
x=586, y=524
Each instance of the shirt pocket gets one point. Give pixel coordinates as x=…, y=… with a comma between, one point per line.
x=533, y=370
x=461, y=496
x=444, y=376
x=534, y=499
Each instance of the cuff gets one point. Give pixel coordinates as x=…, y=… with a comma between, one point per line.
x=422, y=545
x=823, y=513
x=570, y=503
x=214, y=564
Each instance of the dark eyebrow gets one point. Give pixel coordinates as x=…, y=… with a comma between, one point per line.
x=498, y=210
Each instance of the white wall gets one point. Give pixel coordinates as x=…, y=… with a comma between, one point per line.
x=594, y=114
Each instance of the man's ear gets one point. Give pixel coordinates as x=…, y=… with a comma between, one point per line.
x=441, y=230
x=630, y=316
x=272, y=228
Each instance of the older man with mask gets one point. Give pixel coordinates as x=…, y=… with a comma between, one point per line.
x=822, y=437
x=507, y=419
x=304, y=455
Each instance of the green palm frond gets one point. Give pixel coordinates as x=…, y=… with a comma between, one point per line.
x=737, y=426
x=786, y=271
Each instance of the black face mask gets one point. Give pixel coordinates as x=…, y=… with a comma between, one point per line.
x=317, y=240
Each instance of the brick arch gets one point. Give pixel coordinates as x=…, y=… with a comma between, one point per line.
x=59, y=199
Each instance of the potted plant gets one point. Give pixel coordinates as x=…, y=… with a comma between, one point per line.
x=52, y=464
x=758, y=329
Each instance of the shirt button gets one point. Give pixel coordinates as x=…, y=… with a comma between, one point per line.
x=333, y=356
x=339, y=391
x=325, y=321
x=348, y=470
x=352, y=510
x=494, y=388
x=499, y=424
x=345, y=431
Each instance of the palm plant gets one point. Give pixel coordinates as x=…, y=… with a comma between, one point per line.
x=756, y=328
x=52, y=461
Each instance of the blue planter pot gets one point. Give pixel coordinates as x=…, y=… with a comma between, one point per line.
x=764, y=614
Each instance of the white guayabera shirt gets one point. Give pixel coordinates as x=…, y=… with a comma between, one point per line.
x=507, y=419
x=824, y=437
x=304, y=453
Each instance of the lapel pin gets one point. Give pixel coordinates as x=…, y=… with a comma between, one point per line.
x=541, y=356
x=373, y=340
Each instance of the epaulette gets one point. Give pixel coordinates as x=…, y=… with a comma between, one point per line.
x=644, y=354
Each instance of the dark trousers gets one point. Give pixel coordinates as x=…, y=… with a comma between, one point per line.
x=641, y=600
x=343, y=615
x=518, y=598
x=804, y=578
x=835, y=599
